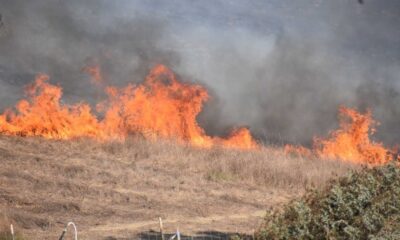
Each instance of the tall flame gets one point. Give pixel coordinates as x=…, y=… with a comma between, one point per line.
x=351, y=142
x=43, y=115
x=159, y=107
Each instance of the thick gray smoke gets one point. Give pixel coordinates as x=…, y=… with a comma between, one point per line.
x=280, y=67
x=60, y=38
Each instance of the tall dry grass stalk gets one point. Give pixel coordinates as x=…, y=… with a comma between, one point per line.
x=95, y=181
x=269, y=166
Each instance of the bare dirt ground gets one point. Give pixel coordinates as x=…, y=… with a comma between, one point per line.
x=118, y=191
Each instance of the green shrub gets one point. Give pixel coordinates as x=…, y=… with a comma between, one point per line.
x=363, y=205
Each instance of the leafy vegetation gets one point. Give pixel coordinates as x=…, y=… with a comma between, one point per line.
x=363, y=205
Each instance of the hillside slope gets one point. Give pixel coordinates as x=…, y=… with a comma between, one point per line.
x=120, y=189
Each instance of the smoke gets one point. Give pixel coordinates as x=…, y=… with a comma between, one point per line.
x=287, y=78
x=59, y=38
x=280, y=67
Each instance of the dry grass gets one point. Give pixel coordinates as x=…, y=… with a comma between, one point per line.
x=5, y=231
x=121, y=188
x=269, y=166
x=4, y=223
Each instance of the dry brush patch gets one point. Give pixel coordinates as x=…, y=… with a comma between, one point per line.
x=270, y=167
x=5, y=228
x=118, y=183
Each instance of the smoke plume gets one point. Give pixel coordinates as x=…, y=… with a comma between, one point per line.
x=280, y=67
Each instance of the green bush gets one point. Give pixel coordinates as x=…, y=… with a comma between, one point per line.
x=363, y=205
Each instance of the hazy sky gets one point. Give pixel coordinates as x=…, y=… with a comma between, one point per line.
x=281, y=67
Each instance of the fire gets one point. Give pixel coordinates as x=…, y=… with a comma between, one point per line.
x=298, y=150
x=240, y=137
x=160, y=107
x=43, y=115
x=351, y=142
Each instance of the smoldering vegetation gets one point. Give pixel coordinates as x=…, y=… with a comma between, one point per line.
x=281, y=68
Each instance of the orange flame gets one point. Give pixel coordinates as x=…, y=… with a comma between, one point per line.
x=159, y=107
x=43, y=115
x=298, y=151
x=240, y=137
x=351, y=142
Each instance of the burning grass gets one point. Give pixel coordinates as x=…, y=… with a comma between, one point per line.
x=150, y=129
x=160, y=107
x=351, y=142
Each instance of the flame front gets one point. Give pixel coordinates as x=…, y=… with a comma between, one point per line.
x=43, y=115
x=351, y=142
x=160, y=107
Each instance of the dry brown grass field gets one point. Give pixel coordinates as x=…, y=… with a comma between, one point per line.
x=118, y=190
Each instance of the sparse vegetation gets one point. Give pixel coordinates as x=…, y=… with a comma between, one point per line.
x=7, y=236
x=364, y=205
x=5, y=232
